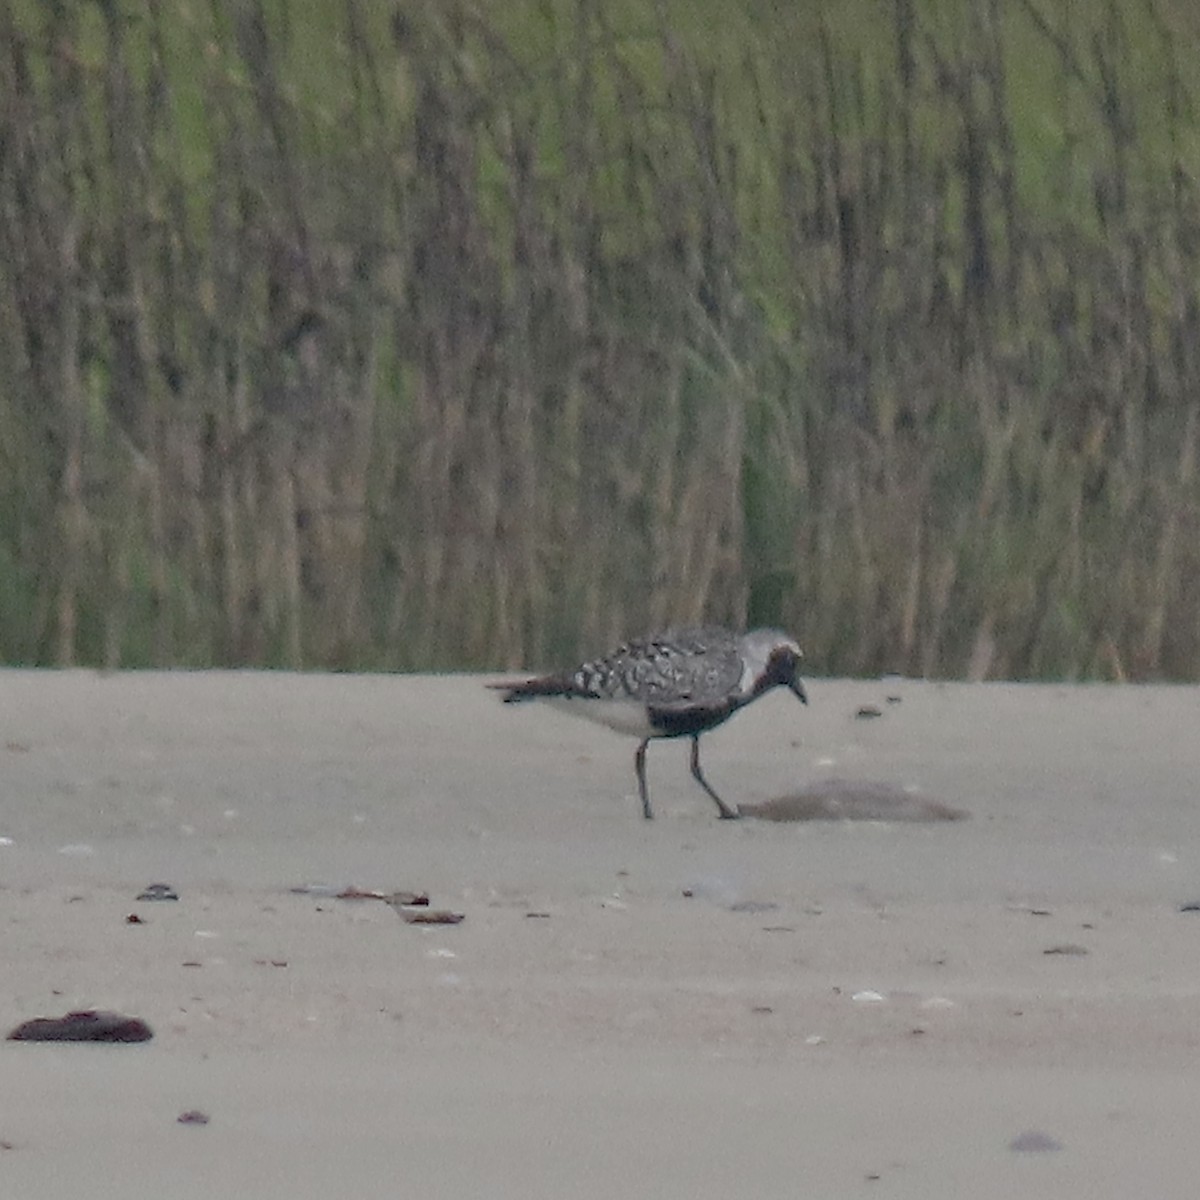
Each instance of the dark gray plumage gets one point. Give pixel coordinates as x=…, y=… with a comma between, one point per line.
x=676, y=684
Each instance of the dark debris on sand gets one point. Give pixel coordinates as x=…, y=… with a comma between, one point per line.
x=89, y=1025
x=158, y=891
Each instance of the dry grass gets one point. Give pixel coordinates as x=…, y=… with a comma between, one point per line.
x=334, y=336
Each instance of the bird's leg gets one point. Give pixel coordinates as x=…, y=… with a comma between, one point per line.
x=727, y=813
x=639, y=762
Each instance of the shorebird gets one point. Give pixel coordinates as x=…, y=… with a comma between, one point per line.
x=676, y=684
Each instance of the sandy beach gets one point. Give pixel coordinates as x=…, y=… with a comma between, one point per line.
x=678, y=1008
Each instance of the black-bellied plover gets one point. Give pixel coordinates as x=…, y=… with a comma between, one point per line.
x=677, y=684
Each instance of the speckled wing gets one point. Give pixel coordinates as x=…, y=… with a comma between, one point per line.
x=685, y=667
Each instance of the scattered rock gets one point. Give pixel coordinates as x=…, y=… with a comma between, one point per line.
x=850, y=800
x=357, y=893
x=430, y=916
x=158, y=891
x=352, y=892
x=539, y=915
x=1066, y=948
x=193, y=1116
x=134, y=919
x=90, y=1025
x=868, y=711
x=1033, y=1141
x=1190, y=906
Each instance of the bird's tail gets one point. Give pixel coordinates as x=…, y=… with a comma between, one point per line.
x=532, y=689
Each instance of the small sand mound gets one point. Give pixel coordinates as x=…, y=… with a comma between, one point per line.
x=852, y=800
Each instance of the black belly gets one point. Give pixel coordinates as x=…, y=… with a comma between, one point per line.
x=688, y=722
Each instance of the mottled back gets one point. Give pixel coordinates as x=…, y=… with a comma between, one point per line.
x=683, y=666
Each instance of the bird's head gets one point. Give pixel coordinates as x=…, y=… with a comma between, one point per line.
x=772, y=660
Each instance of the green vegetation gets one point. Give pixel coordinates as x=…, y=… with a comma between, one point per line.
x=368, y=334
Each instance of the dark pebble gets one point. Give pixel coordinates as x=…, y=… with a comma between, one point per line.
x=193, y=1116
x=1068, y=948
x=1190, y=906
x=868, y=711
x=158, y=891
x=88, y=1026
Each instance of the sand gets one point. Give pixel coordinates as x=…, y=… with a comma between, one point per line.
x=706, y=1009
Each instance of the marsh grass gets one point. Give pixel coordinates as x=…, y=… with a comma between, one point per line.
x=437, y=335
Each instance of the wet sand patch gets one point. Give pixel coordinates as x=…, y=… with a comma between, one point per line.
x=852, y=800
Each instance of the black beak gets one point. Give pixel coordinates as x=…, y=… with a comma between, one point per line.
x=783, y=670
